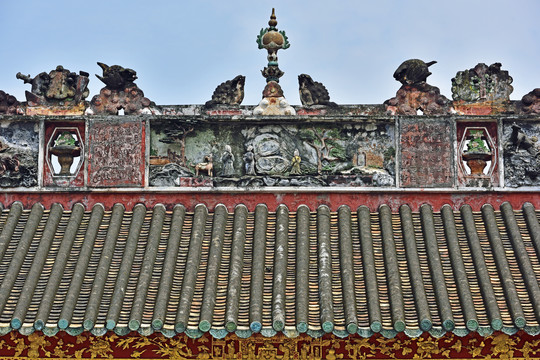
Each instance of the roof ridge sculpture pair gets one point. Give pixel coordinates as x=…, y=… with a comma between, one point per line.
x=66, y=92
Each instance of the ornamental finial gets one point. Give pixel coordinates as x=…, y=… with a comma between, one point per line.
x=272, y=40
x=273, y=102
x=273, y=21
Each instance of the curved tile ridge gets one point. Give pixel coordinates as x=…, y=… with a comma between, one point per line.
x=532, y=225
x=302, y=268
x=415, y=273
x=59, y=266
x=366, y=243
x=117, y=301
x=503, y=267
x=32, y=278
x=392, y=269
x=192, y=268
x=214, y=263
x=441, y=292
x=82, y=264
x=103, y=268
x=236, y=266
x=325, y=269
x=27, y=236
x=257, y=268
x=9, y=227
x=533, y=228
x=347, y=269
x=458, y=267
x=280, y=268
x=482, y=274
x=165, y=285
x=145, y=276
x=524, y=262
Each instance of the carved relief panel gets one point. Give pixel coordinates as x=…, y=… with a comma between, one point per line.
x=521, y=153
x=116, y=153
x=426, y=153
x=19, y=143
x=241, y=155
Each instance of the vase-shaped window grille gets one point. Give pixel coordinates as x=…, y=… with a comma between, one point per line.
x=64, y=152
x=477, y=152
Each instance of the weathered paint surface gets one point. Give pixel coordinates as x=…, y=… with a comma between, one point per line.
x=56, y=110
x=484, y=108
x=116, y=153
x=427, y=157
x=292, y=200
x=19, y=148
x=329, y=346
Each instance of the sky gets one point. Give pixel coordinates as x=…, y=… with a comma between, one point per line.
x=182, y=50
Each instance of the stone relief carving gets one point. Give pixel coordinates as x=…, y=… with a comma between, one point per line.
x=249, y=161
x=273, y=155
x=8, y=163
x=227, y=159
x=116, y=153
x=207, y=166
x=295, y=164
x=18, y=154
x=522, y=154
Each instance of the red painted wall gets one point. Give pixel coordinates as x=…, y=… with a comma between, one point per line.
x=333, y=199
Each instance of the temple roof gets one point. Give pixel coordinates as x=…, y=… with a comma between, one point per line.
x=289, y=270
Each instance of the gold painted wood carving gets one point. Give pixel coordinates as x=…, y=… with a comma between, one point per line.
x=135, y=346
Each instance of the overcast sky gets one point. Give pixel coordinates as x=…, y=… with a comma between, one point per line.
x=182, y=50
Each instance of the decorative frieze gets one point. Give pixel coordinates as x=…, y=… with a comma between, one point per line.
x=240, y=155
x=232, y=346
